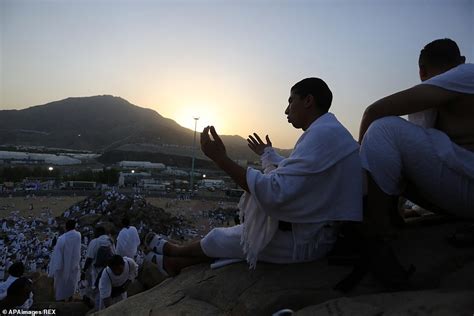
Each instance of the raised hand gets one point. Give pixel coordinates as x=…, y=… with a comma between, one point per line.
x=257, y=145
x=214, y=149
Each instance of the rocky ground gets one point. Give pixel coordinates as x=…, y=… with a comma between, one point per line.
x=443, y=284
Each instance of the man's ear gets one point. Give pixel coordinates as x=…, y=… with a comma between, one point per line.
x=463, y=59
x=309, y=101
x=423, y=73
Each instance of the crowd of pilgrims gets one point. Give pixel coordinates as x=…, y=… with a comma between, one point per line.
x=30, y=245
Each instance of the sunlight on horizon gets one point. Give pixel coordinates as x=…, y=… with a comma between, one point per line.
x=185, y=115
x=230, y=63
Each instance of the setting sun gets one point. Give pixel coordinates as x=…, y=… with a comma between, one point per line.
x=185, y=117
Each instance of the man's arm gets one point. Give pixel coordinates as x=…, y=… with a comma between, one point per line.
x=215, y=150
x=415, y=99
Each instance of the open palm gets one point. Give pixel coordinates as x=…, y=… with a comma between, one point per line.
x=257, y=145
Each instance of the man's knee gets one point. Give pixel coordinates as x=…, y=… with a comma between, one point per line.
x=382, y=134
x=385, y=127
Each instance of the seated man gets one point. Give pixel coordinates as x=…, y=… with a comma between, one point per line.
x=431, y=164
x=15, y=271
x=18, y=292
x=290, y=211
x=115, y=279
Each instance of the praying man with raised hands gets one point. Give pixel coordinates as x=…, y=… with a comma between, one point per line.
x=291, y=210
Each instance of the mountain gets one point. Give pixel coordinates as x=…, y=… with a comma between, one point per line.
x=101, y=124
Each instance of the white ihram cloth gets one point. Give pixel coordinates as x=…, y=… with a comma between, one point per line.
x=127, y=242
x=320, y=183
x=92, y=249
x=108, y=280
x=458, y=79
x=394, y=150
x=65, y=264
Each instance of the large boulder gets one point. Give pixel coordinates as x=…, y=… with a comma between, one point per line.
x=134, y=288
x=234, y=290
x=43, y=288
x=149, y=276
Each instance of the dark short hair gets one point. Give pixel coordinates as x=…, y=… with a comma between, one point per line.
x=115, y=261
x=318, y=89
x=440, y=53
x=99, y=231
x=125, y=221
x=16, y=269
x=18, y=286
x=70, y=224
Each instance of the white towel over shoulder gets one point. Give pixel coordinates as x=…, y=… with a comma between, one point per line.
x=458, y=79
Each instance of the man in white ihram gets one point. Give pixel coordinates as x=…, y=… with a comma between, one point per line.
x=115, y=279
x=128, y=240
x=290, y=212
x=65, y=263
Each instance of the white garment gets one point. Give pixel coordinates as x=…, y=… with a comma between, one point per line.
x=395, y=152
x=127, y=242
x=5, y=285
x=96, y=243
x=441, y=169
x=458, y=79
x=258, y=228
x=92, y=249
x=321, y=182
x=224, y=243
x=65, y=264
x=426, y=118
x=108, y=280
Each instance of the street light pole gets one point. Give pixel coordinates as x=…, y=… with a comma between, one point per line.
x=191, y=182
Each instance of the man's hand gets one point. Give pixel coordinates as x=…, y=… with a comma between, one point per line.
x=214, y=149
x=257, y=145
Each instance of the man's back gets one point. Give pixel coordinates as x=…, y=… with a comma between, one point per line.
x=127, y=241
x=456, y=119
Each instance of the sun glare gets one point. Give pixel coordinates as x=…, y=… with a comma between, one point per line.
x=186, y=117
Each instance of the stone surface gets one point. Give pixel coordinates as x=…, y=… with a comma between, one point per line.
x=63, y=309
x=43, y=288
x=420, y=303
x=134, y=288
x=149, y=276
x=441, y=280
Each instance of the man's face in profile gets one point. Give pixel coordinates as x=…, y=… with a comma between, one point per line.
x=295, y=111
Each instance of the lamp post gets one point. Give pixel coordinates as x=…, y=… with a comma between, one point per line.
x=191, y=182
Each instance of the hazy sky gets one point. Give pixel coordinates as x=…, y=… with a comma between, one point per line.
x=230, y=62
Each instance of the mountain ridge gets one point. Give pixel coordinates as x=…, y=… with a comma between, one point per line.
x=102, y=123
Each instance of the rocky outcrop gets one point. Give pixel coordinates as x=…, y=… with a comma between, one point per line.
x=62, y=308
x=420, y=303
x=443, y=277
x=43, y=288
